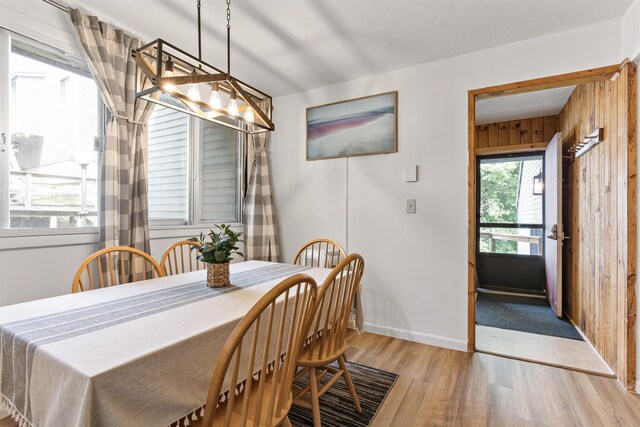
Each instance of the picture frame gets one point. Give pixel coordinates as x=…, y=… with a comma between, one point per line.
x=356, y=127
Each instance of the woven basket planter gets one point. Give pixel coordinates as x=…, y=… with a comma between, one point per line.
x=218, y=275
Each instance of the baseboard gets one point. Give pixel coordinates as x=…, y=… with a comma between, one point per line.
x=420, y=337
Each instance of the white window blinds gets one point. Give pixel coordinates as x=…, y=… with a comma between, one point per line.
x=183, y=147
x=168, y=155
x=218, y=173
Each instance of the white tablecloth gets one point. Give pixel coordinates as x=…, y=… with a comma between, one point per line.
x=140, y=363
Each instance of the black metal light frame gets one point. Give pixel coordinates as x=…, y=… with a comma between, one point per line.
x=166, y=71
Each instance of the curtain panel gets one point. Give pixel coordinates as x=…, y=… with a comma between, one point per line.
x=261, y=238
x=123, y=161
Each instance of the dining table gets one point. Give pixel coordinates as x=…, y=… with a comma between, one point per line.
x=138, y=354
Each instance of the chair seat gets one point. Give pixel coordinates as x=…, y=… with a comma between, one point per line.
x=309, y=355
x=251, y=415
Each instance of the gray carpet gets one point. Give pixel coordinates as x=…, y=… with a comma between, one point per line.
x=336, y=408
x=524, y=314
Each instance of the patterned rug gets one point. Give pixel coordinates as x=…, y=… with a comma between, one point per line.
x=336, y=408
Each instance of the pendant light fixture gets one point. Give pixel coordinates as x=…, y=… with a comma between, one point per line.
x=178, y=80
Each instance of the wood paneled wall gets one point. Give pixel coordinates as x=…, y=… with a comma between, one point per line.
x=516, y=132
x=600, y=218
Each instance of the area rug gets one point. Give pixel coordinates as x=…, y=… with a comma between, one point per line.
x=336, y=408
x=525, y=314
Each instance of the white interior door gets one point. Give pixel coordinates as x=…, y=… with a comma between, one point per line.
x=553, y=230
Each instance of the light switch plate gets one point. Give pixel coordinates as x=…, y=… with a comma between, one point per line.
x=410, y=173
x=411, y=206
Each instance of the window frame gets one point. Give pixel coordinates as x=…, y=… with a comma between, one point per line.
x=6, y=37
x=194, y=197
x=515, y=225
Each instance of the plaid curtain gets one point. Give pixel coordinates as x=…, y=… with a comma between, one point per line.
x=123, y=161
x=261, y=239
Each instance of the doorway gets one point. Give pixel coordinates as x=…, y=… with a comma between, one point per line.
x=491, y=258
x=518, y=304
x=510, y=214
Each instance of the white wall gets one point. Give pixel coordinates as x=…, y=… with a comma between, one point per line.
x=415, y=283
x=34, y=267
x=40, y=267
x=630, y=27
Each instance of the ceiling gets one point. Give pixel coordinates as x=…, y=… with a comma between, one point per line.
x=521, y=106
x=286, y=46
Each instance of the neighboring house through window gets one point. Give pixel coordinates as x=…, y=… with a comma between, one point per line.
x=194, y=170
x=53, y=121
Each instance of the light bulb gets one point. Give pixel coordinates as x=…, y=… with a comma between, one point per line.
x=215, y=98
x=248, y=114
x=194, y=93
x=233, y=107
x=168, y=72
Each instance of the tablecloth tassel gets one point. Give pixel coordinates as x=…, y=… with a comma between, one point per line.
x=202, y=412
x=186, y=421
x=194, y=417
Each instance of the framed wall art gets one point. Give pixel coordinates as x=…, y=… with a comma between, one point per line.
x=357, y=127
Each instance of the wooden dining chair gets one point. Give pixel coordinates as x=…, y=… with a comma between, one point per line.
x=266, y=345
x=323, y=253
x=115, y=266
x=179, y=258
x=327, y=340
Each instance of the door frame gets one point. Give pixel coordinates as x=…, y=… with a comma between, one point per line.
x=628, y=375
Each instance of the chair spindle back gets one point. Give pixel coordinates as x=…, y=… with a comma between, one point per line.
x=115, y=266
x=179, y=258
x=263, y=348
x=323, y=253
x=335, y=299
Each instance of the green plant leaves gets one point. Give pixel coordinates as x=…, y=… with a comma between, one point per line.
x=218, y=246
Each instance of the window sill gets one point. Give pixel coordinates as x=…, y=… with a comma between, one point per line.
x=180, y=231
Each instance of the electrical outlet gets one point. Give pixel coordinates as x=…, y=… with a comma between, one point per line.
x=411, y=206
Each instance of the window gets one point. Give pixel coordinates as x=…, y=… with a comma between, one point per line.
x=510, y=208
x=181, y=146
x=53, y=121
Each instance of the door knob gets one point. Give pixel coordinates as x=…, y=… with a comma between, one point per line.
x=554, y=233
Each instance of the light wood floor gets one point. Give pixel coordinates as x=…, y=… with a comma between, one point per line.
x=545, y=349
x=439, y=387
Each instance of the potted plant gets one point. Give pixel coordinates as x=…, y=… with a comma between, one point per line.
x=215, y=250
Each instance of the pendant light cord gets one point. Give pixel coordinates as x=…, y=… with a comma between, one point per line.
x=199, y=32
x=229, y=37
